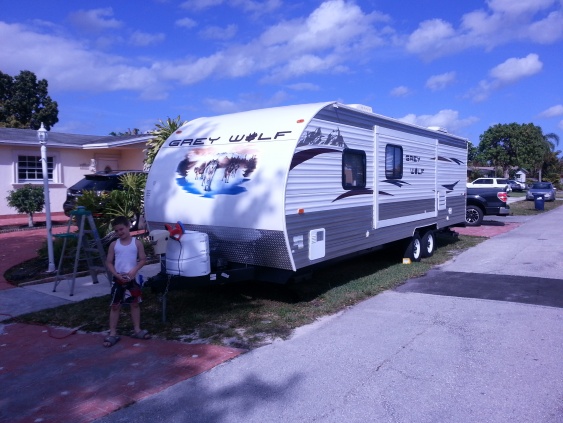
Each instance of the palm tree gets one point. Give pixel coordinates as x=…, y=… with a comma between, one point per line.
x=550, y=140
x=161, y=134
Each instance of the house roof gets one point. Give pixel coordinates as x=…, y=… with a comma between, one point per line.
x=28, y=137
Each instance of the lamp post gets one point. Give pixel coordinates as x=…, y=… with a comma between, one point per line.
x=42, y=136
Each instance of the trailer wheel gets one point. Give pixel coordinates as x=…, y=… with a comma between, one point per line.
x=428, y=244
x=414, y=248
x=473, y=216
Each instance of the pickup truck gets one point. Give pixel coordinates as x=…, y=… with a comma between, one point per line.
x=485, y=202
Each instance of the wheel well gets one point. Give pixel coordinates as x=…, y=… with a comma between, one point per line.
x=479, y=206
x=423, y=229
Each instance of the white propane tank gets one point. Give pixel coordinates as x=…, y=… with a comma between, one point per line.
x=188, y=256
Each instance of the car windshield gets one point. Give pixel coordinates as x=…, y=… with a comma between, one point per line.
x=541, y=185
x=96, y=184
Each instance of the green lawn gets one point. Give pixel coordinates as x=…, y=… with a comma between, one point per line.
x=528, y=208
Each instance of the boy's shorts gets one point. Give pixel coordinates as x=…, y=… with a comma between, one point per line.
x=130, y=293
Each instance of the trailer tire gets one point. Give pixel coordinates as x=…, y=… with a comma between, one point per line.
x=473, y=216
x=414, y=248
x=428, y=244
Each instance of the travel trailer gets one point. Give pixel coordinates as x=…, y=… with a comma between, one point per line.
x=269, y=194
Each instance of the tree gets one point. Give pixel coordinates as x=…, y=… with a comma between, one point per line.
x=134, y=131
x=25, y=103
x=513, y=145
x=473, y=155
x=28, y=199
x=550, y=162
x=161, y=134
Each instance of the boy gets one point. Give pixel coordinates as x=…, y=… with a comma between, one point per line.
x=126, y=256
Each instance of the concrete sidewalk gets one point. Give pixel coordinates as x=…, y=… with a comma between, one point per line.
x=30, y=298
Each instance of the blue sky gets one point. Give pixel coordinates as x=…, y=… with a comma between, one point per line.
x=462, y=65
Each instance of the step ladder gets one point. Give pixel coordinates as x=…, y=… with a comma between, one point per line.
x=88, y=245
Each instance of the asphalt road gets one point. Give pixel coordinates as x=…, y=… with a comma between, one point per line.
x=479, y=339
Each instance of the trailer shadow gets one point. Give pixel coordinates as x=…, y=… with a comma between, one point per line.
x=492, y=223
x=233, y=398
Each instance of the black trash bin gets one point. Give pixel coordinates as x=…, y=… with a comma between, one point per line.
x=538, y=202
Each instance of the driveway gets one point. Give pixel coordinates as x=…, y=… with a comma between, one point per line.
x=479, y=339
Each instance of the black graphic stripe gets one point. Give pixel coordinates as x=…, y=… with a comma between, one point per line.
x=304, y=155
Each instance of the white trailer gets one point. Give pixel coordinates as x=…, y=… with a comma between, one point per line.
x=279, y=191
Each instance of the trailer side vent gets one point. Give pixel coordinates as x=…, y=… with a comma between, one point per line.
x=316, y=244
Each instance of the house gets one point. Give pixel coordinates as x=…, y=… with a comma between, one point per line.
x=69, y=158
x=521, y=175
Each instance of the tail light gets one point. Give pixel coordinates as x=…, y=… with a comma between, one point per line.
x=502, y=196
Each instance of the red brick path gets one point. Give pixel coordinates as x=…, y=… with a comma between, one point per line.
x=19, y=246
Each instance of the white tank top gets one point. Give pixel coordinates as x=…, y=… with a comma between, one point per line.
x=125, y=256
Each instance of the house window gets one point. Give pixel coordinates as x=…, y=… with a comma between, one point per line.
x=30, y=168
x=393, y=162
x=353, y=169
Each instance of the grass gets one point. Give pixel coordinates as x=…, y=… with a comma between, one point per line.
x=249, y=315
x=527, y=208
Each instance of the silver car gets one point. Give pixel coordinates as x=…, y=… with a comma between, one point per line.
x=544, y=189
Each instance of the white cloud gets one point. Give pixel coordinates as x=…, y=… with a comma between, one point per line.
x=141, y=39
x=447, y=118
x=335, y=33
x=514, y=69
x=254, y=7
x=95, y=20
x=198, y=5
x=309, y=63
x=75, y=67
x=304, y=86
x=245, y=102
x=432, y=36
x=221, y=106
x=218, y=33
x=257, y=7
x=439, y=82
x=539, y=21
x=553, y=111
x=400, y=91
x=186, y=23
x=332, y=37
x=519, y=7
x=508, y=72
x=548, y=30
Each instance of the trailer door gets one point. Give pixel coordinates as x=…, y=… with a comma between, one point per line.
x=405, y=177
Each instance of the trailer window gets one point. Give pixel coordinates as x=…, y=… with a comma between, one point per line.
x=393, y=161
x=353, y=169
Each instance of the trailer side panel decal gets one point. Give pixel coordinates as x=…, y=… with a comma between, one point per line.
x=208, y=171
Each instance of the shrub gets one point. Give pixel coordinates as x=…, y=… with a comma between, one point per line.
x=27, y=199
